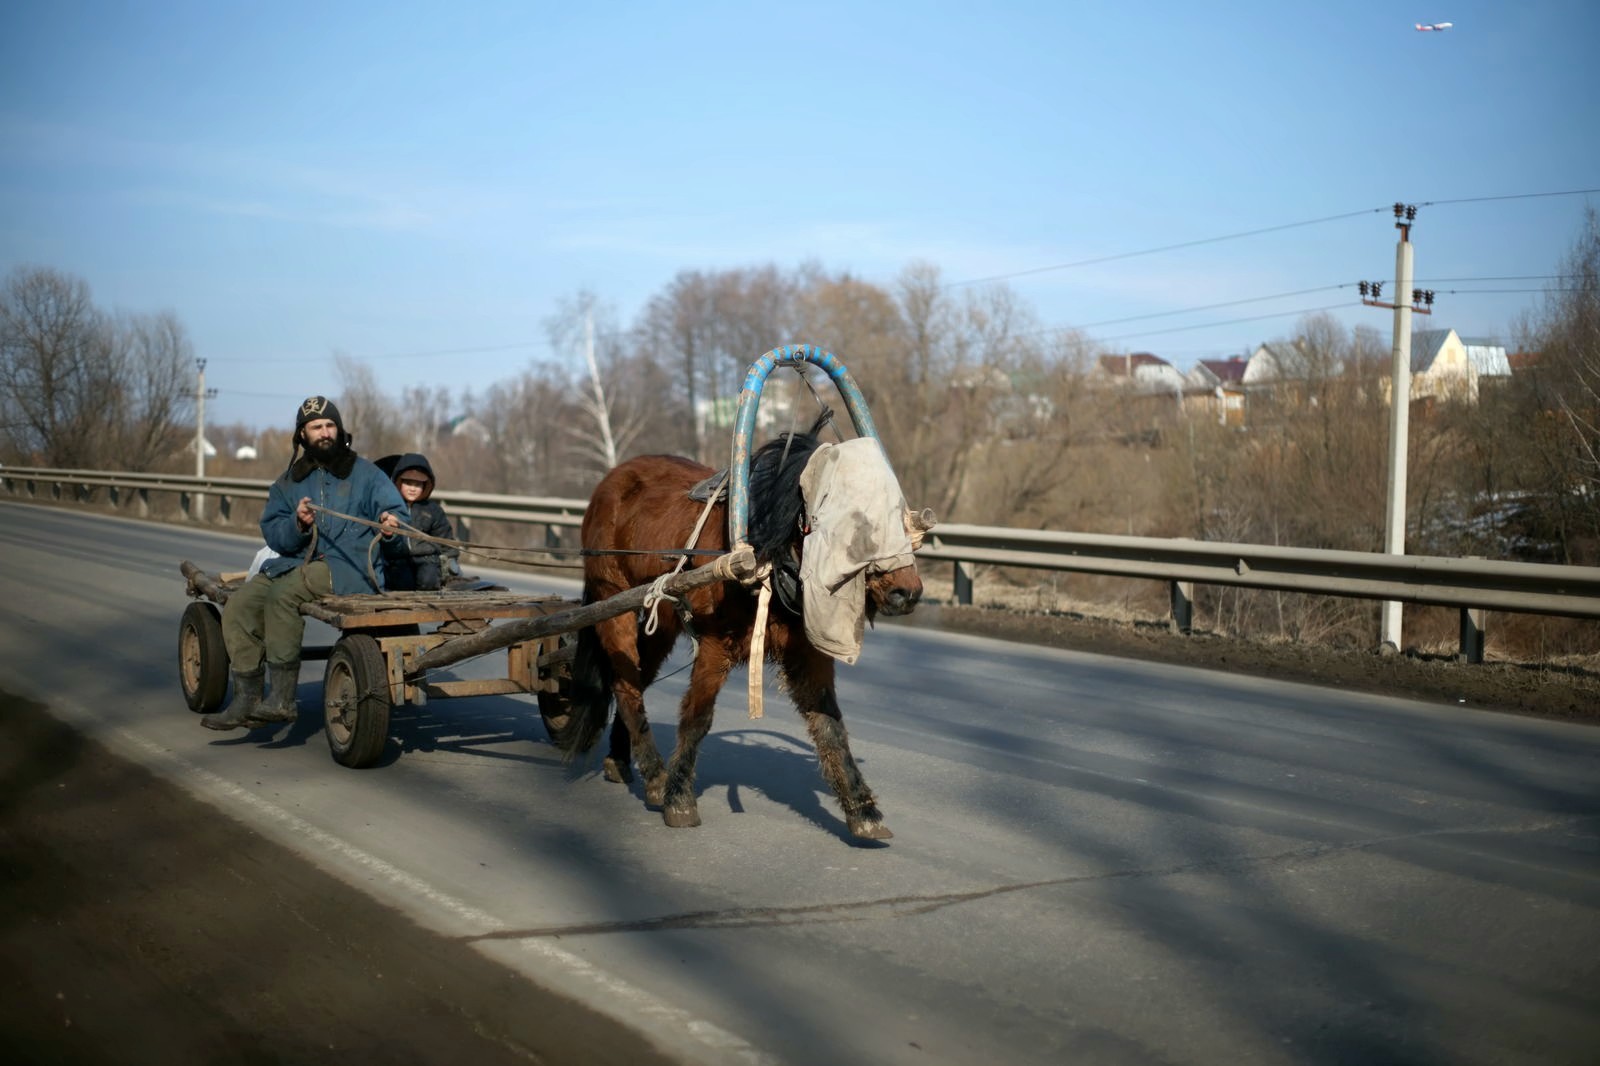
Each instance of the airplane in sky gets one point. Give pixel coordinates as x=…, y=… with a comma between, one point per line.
x=1431, y=27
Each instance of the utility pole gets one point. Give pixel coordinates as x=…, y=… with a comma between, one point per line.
x=200, y=394
x=1394, y=513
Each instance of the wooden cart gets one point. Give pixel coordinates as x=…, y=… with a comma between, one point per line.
x=382, y=655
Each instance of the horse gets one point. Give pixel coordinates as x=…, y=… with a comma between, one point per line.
x=642, y=506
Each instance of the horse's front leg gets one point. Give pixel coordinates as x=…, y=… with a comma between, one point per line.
x=808, y=675
x=631, y=670
x=711, y=665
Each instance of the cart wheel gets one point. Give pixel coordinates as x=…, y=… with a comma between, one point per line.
x=554, y=706
x=202, y=658
x=355, y=701
x=553, y=709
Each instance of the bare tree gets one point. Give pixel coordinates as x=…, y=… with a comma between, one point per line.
x=80, y=389
x=155, y=407
x=376, y=423
x=613, y=407
x=1560, y=400
x=677, y=327
x=524, y=441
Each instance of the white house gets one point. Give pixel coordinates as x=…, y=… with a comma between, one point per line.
x=1140, y=371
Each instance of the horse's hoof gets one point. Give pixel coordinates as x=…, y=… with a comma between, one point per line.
x=681, y=817
x=655, y=793
x=620, y=772
x=869, y=829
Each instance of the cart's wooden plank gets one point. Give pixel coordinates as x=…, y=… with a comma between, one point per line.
x=368, y=612
x=377, y=610
x=489, y=686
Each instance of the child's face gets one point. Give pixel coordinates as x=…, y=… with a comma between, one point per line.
x=411, y=483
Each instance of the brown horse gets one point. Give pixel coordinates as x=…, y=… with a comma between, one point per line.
x=643, y=506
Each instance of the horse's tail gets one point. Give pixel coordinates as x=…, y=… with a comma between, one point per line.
x=589, y=698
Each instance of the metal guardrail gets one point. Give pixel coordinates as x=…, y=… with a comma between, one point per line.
x=1472, y=585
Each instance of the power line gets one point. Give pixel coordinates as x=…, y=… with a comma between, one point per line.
x=1191, y=310
x=1305, y=292
x=1167, y=247
x=1258, y=232
x=407, y=355
x=1509, y=196
x=1229, y=322
x=1508, y=277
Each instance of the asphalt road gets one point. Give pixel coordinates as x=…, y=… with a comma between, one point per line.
x=1095, y=860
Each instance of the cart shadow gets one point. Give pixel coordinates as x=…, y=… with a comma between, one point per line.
x=482, y=726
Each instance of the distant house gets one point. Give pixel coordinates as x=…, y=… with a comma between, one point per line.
x=467, y=426
x=1488, y=358
x=1523, y=363
x=1446, y=368
x=1215, y=389
x=1275, y=363
x=245, y=453
x=1209, y=373
x=1139, y=371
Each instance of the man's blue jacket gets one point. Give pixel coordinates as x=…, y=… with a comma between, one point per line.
x=349, y=485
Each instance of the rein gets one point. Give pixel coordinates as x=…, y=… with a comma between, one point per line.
x=490, y=551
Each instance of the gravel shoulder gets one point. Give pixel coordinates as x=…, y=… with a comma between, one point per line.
x=141, y=925
x=1565, y=691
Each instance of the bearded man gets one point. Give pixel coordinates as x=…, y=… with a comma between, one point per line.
x=312, y=520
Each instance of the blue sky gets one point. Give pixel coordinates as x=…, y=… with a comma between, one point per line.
x=391, y=179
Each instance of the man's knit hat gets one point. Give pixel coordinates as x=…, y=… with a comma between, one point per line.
x=316, y=407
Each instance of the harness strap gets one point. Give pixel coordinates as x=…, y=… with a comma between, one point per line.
x=758, y=646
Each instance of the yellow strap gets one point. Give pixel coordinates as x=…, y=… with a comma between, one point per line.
x=758, y=646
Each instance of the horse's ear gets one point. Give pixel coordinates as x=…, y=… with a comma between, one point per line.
x=918, y=523
x=823, y=419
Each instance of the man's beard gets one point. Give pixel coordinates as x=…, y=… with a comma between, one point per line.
x=324, y=449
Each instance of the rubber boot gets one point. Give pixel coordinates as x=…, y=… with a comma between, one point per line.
x=246, y=702
x=280, y=705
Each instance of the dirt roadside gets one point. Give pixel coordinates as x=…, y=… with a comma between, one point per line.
x=137, y=924
x=1569, y=692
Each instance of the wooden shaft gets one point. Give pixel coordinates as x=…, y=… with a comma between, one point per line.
x=736, y=566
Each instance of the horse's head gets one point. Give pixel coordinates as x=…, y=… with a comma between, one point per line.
x=897, y=591
x=893, y=592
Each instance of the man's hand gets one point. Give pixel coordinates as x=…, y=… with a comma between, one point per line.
x=302, y=512
x=388, y=524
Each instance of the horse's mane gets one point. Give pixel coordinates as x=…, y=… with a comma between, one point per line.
x=776, y=506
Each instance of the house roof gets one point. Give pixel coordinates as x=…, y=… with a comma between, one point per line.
x=1521, y=361
x=1287, y=361
x=1487, y=357
x=1425, y=345
x=1122, y=365
x=1226, y=371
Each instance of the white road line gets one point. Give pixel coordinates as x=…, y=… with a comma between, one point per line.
x=692, y=1036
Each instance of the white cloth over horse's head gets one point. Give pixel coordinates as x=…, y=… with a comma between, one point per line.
x=856, y=513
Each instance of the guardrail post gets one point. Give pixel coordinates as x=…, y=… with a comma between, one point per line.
x=1182, y=607
x=143, y=496
x=1473, y=620
x=963, y=584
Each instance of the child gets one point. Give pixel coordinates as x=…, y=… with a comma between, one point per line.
x=409, y=562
